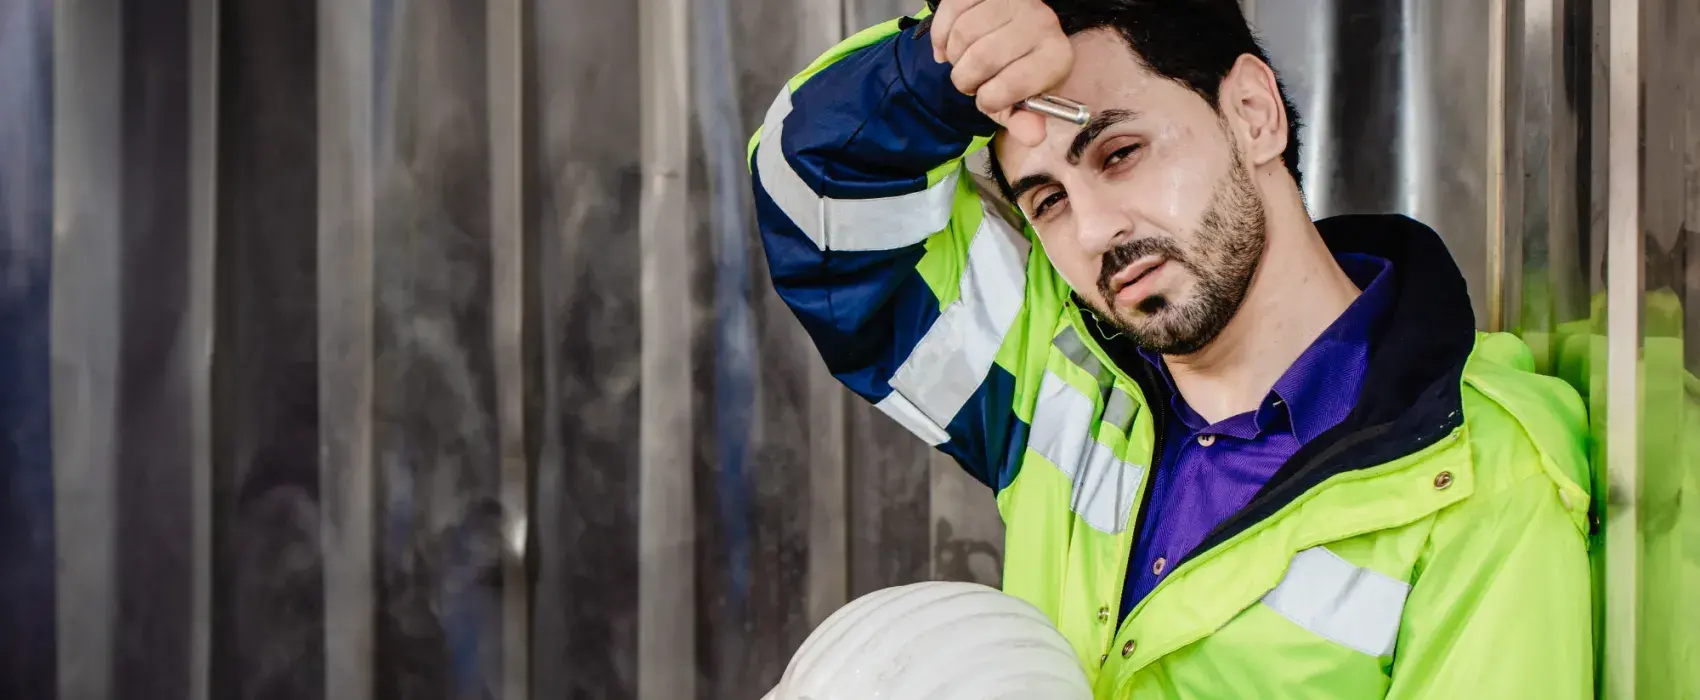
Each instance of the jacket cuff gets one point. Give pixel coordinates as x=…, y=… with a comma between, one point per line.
x=929, y=83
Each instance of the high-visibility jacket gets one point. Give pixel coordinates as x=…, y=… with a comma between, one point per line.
x=1433, y=545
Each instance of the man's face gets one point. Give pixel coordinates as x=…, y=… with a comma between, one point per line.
x=1148, y=211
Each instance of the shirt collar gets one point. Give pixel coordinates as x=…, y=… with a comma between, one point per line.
x=1321, y=386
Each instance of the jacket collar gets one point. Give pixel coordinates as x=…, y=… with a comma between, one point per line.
x=1411, y=396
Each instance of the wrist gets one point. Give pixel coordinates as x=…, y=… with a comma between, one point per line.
x=928, y=81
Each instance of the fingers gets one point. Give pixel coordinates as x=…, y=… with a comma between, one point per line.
x=1029, y=75
x=944, y=21
x=986, y=58
x=976, y=24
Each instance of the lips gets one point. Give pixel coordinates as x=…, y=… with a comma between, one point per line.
x=1135, y=273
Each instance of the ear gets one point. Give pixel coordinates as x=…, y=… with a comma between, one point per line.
x=1251, y=101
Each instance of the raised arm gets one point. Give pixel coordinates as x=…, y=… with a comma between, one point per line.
x=906, y=279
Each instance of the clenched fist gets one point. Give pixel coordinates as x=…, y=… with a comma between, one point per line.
x=1002, y=52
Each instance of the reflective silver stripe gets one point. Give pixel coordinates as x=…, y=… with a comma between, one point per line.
x=1356, y=607
x=1075, y=350
x=1104, y=485
x=952, y=359
x=1121, y=410
x=884, y=223
x=911, y=418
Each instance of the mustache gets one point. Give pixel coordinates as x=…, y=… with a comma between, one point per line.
x=1123, y=255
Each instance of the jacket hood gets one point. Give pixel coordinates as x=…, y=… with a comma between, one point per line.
x=1412, y=393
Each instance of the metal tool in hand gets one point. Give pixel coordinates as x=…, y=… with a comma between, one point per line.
x=1048, y=105
x=1061, y=108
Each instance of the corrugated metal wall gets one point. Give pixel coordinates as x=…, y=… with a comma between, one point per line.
x=422, y=348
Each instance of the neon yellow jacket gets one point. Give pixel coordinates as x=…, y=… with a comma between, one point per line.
x=1431, y=546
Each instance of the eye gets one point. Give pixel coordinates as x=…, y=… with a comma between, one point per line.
x=1045, y=204
x=1120, y=155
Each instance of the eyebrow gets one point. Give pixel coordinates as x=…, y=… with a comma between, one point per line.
x=1082, y=140
x=1089, y=133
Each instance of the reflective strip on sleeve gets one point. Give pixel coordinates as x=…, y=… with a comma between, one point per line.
x=1353, y=606
x=911, y=418
x=884, y=223
x=1104, y=486
x=951, y=361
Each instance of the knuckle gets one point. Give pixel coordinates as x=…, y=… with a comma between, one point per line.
x=964, y=82
x=970, y=69
x=995, y=95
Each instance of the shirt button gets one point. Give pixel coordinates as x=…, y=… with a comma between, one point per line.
x=1206, y=440
x=1104, y=614
x=1127, y=649
x=1157, y=566
x=1442, y=480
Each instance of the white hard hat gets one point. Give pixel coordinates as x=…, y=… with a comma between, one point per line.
x=936, y=640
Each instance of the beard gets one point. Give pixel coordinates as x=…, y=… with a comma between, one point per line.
x=1223, y=260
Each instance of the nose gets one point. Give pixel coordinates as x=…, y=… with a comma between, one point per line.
x=1101, y=220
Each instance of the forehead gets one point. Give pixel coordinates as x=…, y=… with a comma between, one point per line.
x=1107, y=75
x=1106, y=70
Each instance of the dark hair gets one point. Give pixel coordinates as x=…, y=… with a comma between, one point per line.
x=1192, y=42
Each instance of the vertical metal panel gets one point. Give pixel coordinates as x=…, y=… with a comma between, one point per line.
x=1398, y=111
x=268, y=595
x=127, y=437
x=441, y=549
x=586, y=162
x=1667, y=422
x=1546, y=270
x=967, y=531
x=829, y=507
x=345, y=264
x=1623, y=341
x=666, y=594
x=196, y=342
x=889, y=503
x=27, y=554
x=87, y=210
x=1496, y=154
x=152, y=630
x=505, y=65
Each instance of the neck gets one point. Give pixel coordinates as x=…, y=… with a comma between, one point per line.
x=1297, y=292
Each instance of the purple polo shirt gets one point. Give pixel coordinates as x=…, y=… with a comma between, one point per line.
x=1208, y=472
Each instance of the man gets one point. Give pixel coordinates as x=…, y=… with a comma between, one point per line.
x=1238, y=453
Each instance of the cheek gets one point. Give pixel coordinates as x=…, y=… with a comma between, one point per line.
x=1077, y=266
x=1179, y=180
